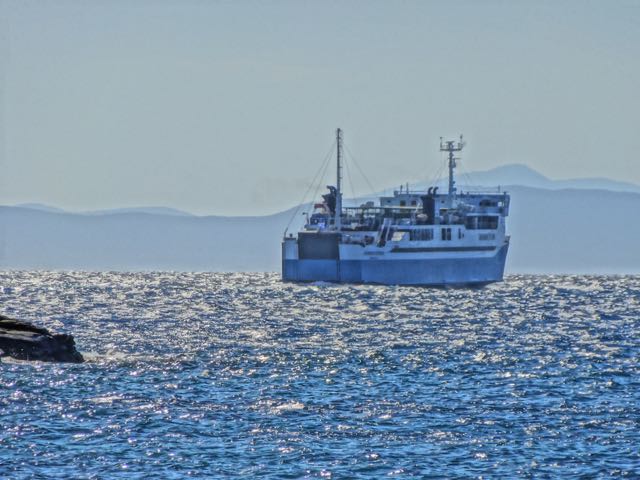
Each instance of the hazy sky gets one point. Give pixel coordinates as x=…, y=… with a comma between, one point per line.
x=230, y=107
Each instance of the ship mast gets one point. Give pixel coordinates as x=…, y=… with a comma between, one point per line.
x=338, y=215
x=451, y=147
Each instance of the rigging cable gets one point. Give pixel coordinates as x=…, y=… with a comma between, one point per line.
x=323, y=169
x=436, y=178
x=468, y=177
x=319, y=183
x=425, y=175
x=349, y=178
x=355, y=162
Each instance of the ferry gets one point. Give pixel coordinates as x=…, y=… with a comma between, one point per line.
x=421, y=237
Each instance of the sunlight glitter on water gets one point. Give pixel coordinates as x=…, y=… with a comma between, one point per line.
x=241, y=375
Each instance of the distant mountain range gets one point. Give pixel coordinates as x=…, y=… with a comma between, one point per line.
x=521, y=175
x=147, y=210
x=569, y=226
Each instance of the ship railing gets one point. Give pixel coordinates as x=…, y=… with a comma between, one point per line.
x=461, y=188
x=478, y=189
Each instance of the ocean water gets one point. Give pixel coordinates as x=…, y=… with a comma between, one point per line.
x=239, y=375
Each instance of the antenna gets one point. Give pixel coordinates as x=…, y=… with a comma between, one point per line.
x=338, y=216
x=451, y=146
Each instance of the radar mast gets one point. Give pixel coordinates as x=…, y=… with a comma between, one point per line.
x=451, y=146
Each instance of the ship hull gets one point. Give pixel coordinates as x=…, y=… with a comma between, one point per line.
x=429, y=271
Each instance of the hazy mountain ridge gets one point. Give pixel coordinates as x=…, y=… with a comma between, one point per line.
x=522, y=175
x=562, y=228
x=33, y=239
x=110, y=211
x=552, y=231
x=505, y=176
x=147, y=210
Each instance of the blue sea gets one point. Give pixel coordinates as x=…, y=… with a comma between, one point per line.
x=210, y=375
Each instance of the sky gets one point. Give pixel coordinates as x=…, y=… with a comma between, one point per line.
x=229, y=108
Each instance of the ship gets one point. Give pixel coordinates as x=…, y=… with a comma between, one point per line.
x=415, y=237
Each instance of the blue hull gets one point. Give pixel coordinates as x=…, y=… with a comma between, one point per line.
x=449, y=271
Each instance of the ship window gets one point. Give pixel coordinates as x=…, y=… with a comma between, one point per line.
x=446, y=233
x=487, y=236
x=421, y=234
x=398, y=236
x=460, y=235
x=487, y=222
x=402, y=203
x=413, y=203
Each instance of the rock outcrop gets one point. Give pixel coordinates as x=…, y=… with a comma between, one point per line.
x=24, y=341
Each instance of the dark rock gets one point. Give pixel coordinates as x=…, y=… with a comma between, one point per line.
x=25, y=341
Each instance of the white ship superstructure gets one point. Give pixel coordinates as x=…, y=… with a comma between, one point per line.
x=410, y=238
